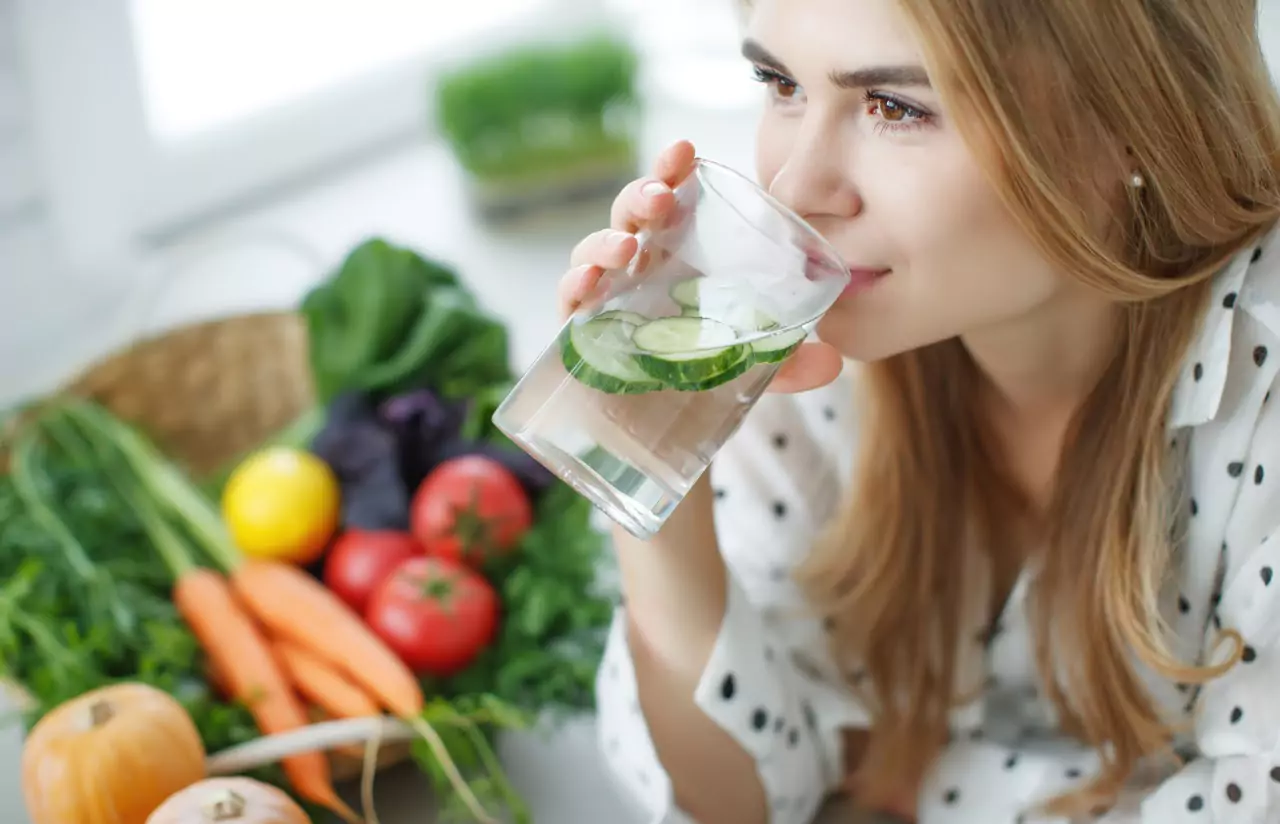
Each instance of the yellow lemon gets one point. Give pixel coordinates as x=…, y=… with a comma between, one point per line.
x=282, y=504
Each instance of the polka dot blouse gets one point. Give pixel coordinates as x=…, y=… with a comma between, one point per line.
x=772, y=685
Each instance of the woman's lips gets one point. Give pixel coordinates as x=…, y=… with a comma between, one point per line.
x=861, y=279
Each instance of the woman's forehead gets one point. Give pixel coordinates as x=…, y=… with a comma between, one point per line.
x=834, y=35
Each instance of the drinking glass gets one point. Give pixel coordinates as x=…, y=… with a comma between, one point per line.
x=649, y=379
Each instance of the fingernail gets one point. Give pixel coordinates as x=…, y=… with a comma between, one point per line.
x=653, y=188
x=616, y=239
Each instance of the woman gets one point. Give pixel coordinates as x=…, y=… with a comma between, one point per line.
x=1031, y=581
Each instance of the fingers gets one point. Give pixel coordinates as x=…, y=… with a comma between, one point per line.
x=598, y=251
x=607, y=248
x=649, y=198
x=813, y=365
x=641, y=202
x=575, y=286
x=675, y=163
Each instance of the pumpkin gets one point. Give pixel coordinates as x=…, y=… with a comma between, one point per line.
x=110, y=755
x=229, y=800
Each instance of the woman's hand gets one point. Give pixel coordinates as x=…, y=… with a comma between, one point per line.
x=641, y=203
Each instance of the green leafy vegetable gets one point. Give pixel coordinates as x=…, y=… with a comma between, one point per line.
x=58, y=637
x=390, y=320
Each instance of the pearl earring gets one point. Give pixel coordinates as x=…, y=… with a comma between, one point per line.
x=1137, y=181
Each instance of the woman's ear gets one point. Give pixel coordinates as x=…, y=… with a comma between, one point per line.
x=1136, y=178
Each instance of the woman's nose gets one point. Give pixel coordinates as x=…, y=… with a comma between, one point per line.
x=814, y=183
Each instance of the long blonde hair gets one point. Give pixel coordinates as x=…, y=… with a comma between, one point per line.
x=1182, y=89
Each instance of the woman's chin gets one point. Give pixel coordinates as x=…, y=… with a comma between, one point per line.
x=862, y=346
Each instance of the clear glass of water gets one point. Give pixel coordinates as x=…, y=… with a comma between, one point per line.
x=644, y=384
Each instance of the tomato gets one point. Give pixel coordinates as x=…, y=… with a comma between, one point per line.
x=361, y=560
x=282, y=504
x=469, y=509
x=437, y=614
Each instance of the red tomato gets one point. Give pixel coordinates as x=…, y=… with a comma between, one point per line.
x=469, y=509
x=437, y=615
x=359, y=561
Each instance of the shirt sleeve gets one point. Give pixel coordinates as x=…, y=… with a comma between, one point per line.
x=1235, y=776
x=770, y=681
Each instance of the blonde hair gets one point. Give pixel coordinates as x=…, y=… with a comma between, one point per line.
x=1182, y=87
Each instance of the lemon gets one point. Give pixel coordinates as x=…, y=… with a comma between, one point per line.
x=282, y=504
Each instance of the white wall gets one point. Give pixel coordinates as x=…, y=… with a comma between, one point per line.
x=53, y=319
x=43, y=313
x=25, y=246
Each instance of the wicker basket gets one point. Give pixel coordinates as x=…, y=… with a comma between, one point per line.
x=209, y=393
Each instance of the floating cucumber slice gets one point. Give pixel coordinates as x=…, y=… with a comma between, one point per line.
x=778, y=346
x=690, y=353
x=722, y=301
x=596, y=354
x=633, y=318
x=685, y=293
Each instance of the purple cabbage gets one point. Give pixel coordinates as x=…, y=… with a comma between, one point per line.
x=382, y=451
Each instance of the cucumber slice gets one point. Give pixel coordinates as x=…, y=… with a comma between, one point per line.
x=747, y=319
x=777, y=347
x=686, y=293
x=596, y=354
x=723, y=301
x=733, y=372
x=633, y=318
x=690, y=353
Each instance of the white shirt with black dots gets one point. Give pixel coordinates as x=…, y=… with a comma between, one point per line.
x=771, y=684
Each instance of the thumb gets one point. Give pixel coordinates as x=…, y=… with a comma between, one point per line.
x=813, y=365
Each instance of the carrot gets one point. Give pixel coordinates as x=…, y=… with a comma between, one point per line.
x=323, y=684
x=240, y=654
x=296, y=607
x=238, y=650
x=325, y=687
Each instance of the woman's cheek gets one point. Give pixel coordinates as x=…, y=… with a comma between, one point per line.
x=773, y=144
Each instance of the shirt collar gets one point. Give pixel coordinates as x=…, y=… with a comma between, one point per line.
x=1241, y=286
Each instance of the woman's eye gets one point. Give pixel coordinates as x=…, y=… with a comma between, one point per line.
x=781, y=86
x=893, y=113
x=888, y=110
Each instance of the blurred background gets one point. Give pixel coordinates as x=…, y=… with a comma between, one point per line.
x=167, y=160
x=164, y=162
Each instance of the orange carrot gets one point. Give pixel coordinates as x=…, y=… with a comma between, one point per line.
x=238, y=651
x=322, y=684
x=296, y=607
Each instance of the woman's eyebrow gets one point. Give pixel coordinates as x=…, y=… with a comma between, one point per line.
x=756, y=53
x=908, y=75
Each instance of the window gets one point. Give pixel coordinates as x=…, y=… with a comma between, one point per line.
x=152, y=114
x=205, y=64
